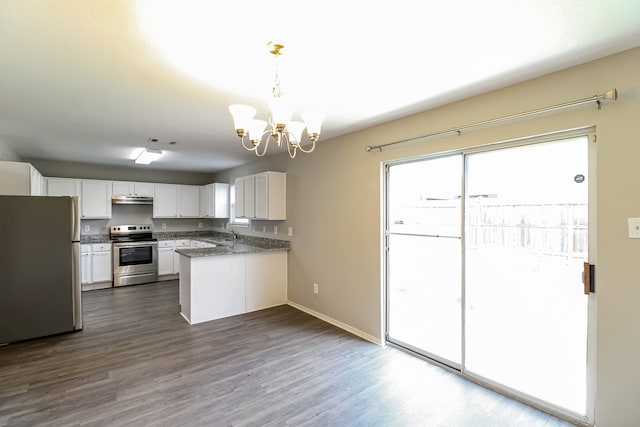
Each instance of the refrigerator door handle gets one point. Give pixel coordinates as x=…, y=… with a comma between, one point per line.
x=75, y=217
x=77, y=286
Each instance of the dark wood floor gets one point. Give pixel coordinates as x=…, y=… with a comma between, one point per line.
x=138, y=363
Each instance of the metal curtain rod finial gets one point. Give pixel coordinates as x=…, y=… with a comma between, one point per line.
x=611, y=94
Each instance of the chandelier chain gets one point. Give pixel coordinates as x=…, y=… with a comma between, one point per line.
x=276, y=91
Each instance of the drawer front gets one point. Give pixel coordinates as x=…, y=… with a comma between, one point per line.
x=183, y=243
x=166, y=243
x=97, y=247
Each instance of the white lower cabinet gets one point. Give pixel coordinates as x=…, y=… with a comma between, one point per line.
x=265, y=280
x=180, y=244
x=97, y=271
x=168, y=258
x=166, y=249
x=85, y=262
x=220, y=286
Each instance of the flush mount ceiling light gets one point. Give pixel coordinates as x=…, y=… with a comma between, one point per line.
x=147, y=156
x=282, y=129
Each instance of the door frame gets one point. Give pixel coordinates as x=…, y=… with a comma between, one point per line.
x=590, y=133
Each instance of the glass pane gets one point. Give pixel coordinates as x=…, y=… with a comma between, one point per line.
x=424, y=294
x=424, y=257
x=424, y=197
x=526, y=241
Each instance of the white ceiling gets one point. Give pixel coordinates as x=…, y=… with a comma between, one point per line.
x=93, y=80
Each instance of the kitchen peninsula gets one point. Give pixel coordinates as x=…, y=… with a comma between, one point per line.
x=233, y=277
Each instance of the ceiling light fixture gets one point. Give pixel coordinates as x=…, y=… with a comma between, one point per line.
x=282, y=130
x=147, y=156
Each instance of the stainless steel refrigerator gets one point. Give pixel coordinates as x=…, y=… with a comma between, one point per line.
x=40, y=291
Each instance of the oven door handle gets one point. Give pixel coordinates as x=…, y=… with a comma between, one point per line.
x=134, y=244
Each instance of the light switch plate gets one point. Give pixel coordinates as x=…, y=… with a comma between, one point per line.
x=634, y=228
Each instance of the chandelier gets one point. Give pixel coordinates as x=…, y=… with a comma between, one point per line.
x=255, y=134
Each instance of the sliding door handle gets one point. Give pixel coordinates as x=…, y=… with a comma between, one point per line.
x=589, y=278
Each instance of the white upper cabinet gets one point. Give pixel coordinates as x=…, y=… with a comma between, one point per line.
x=96, y=199
x=264, y=196
x=176, y=201
x=239, y=197
x=188, y=201
x=204, y=201
x=20, y=179
x=249, y=197
x=63, y=187
x=214, y=200
x=139, y=189
x=37, y=182
x=165, y=201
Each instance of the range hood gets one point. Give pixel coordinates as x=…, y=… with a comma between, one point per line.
x=132, y=200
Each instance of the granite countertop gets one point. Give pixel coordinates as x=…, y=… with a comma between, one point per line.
x=225, y=244
x=95, y=238
x=242, y=246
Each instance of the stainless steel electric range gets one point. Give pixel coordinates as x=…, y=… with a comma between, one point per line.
x=135, y=254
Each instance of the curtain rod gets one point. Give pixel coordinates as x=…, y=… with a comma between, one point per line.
x=610, y=94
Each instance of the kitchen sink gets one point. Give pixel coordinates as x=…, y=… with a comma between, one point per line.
x=223, y=242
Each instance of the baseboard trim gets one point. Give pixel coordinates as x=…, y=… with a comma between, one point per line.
x=336, y=323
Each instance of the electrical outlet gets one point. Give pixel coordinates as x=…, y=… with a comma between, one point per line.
x=164, y=226
x=290, y=231
x=199, y=225
x=634, y=228
x=264, y=228
x=315, y=288
x=253, y=227
x=275, y=229
x=87, y=228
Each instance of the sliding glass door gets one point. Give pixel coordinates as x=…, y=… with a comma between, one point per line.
x=498, y=295
x=526, y=242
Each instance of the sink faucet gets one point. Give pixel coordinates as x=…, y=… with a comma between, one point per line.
x=235, y=234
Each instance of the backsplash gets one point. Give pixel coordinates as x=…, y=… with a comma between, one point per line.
x=141, y=214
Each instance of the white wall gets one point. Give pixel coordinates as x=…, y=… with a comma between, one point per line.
x=334, y=205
